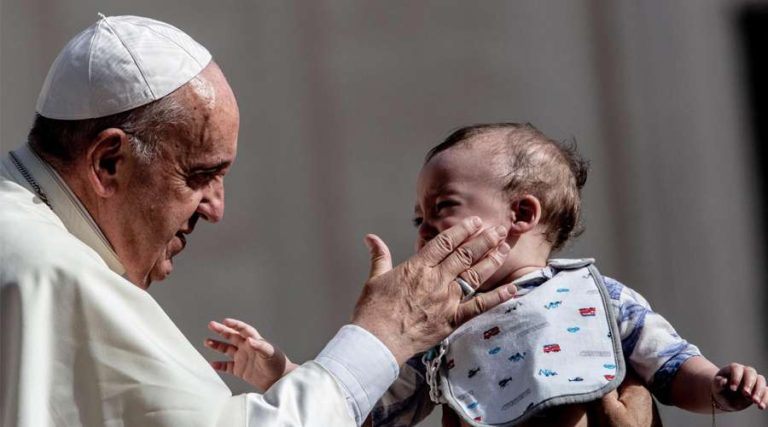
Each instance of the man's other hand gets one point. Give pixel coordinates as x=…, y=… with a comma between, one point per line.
x=413, y=306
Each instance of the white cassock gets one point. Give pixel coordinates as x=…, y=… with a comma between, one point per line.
x=82, y=346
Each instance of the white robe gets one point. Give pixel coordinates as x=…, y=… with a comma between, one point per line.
x=82, y=346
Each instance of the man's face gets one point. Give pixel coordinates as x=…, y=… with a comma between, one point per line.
x=455, y=184
x=183, y=184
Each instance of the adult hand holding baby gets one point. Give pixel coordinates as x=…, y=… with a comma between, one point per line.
x=413, y=306
x=631, y=405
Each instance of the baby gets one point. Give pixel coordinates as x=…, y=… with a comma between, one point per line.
x=513, y=175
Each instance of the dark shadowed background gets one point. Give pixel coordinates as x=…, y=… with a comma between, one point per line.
x=341, y=99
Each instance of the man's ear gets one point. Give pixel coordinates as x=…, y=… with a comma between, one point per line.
x=106, y=159
x=525, y=214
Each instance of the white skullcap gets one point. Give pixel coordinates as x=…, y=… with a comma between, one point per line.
x=117, y=64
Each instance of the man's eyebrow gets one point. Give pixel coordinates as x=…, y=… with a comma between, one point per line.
x=207, y=167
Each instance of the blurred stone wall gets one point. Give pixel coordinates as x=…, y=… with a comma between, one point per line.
x=340, y=100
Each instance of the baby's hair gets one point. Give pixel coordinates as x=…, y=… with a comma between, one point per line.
x=552, y=171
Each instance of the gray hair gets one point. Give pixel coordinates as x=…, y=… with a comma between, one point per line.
x=60, y=142
x=146, y=125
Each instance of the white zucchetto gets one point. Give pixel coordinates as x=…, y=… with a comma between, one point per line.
x=117, y=64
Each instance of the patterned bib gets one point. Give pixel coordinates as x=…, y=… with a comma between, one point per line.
x=555, y=343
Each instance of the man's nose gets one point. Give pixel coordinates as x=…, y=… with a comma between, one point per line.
x=211, y=207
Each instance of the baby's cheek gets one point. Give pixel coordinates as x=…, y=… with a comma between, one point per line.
x=447, y=223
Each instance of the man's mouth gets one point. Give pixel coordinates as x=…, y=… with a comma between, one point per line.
x=183, y=240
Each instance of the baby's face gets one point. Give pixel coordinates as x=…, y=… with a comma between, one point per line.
x=458, y=183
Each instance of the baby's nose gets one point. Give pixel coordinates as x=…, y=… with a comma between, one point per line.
x=427, y=232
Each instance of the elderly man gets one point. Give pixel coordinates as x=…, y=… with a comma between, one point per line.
x=135, y=131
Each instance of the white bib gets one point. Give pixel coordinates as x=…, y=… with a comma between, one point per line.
x=553, y=344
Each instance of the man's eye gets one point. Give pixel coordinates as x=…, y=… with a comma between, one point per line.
x=417, y=222
x=200, y=179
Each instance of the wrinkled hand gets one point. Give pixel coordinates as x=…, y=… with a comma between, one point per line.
x=253, y=359
x=631, y=405
x=736, y=387
x=415, y=305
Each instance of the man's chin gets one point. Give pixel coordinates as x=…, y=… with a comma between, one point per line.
x=161, y=270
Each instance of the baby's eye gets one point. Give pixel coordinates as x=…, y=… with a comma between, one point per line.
x=417, y=221
x=445, y=204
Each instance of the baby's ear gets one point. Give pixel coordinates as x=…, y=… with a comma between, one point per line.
x=526, y=214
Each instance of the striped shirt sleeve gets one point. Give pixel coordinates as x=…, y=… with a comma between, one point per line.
x=407, y=401
x=649, y=342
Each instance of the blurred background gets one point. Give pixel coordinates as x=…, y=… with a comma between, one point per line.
x=340, y=100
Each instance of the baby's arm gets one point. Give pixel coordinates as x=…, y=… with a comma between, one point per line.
x=253, y=359
x=699, y=384
x=672, y=368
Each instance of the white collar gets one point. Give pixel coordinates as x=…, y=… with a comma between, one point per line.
x=65, y=205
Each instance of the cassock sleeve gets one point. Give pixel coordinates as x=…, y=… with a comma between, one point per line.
x=354, y=364
x=81, y=346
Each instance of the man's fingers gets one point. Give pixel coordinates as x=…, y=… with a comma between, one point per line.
x=472, y=251
x=437, y=249
x=221, y=347
x=480, y=272
x=245, y=330
x=381, y=259
x=483, y=302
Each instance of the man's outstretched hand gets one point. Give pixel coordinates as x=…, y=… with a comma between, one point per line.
x=416, y=304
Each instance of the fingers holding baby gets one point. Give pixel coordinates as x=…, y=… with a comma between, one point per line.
x=253, y=359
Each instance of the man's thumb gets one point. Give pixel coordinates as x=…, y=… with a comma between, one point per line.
x=381, y=260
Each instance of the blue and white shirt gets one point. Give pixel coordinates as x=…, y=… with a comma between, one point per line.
x=649, y=342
